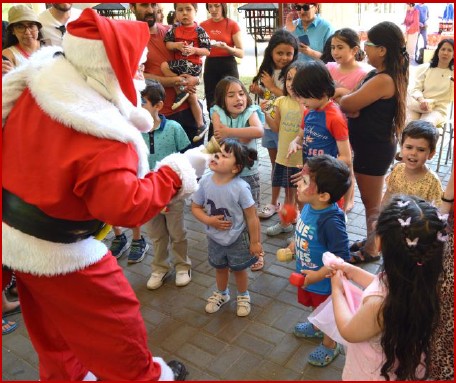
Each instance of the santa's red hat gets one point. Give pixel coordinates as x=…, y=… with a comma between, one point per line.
x=96, y=42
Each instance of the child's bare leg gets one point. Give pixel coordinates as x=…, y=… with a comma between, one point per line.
x=166, y=71
x=328, y=342
x=221, y=278
x=242, y=280
x=196, y=110
x=136, y=233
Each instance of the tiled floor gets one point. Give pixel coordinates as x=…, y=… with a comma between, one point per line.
x=218, y=346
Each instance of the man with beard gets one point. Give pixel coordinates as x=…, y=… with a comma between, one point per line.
x=72, y=158
x=54, y=21
x=157, y=54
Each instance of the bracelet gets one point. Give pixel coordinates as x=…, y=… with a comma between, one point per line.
x=447, y=200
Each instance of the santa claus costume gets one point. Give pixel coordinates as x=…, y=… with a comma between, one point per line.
x=73, y=157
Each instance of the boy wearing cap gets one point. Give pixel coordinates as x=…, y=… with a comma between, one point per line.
x=83, y=155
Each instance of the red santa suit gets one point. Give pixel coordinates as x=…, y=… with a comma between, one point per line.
x=73, y=156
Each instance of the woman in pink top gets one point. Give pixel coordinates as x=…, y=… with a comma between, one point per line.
x=390, y=333
x=347, y=70
x=412, y=28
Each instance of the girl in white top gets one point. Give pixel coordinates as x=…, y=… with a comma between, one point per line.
x=434, y=87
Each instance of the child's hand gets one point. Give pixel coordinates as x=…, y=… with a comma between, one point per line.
x=352, y=115
x=189, y=50
x=336, y=282
x=256, y=249
x=267, y=80
x=218, y=222
x=180, y=45
x=293, y=148
x=311, y=277
x=264, y=105
x=221, y=132
x=255, y=88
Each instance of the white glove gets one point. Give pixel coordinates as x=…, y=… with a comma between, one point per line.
x=198, y=159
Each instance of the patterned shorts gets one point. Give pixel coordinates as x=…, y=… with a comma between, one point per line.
x=185, y=67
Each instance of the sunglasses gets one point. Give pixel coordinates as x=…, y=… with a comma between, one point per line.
x=23, y=27
x=369, y=44
x=304, y=7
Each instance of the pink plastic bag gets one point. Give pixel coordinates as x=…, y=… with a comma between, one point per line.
x=323, y=316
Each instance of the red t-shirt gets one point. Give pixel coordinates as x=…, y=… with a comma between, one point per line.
x=222, y=30
x=155, y=56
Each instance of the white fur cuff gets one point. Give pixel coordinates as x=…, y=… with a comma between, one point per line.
x=181, y=165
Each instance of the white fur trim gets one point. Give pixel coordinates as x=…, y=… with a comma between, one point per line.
x=166, y=372
x=86, y=53
x=62, y=92
x=181, y=165
x=90, y=377
x=29, y=254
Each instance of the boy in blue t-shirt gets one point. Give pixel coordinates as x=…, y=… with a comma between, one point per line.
x=320, y=228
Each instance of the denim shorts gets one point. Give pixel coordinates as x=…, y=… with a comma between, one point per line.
x=254, y=182
x=235, y=256
x=282, y=176
x=270, y=139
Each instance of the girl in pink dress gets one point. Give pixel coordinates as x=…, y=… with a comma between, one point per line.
x=390, y=334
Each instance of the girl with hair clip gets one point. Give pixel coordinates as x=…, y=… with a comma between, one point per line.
x=390, y=333
x=376, y=117
x=235, y=116
x=225, y=205
x=281, y=51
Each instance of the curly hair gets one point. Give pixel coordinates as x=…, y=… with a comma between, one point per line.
x=390, y=36
x=411, y=236
x=280, y=36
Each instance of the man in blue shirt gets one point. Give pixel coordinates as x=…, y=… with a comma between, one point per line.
x=424, y=16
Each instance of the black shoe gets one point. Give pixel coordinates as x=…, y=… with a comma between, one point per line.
x=179, y=370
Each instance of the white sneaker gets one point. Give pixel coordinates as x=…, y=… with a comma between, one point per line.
x=183, y=278
x=278, y=228
x=243, y=305
x=215, y=301
x=269, y=210
x=156, y=280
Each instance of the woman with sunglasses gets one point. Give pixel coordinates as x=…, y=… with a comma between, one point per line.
x=310, y=29
x=23, y=35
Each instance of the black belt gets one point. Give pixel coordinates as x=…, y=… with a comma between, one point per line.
x=30, y=220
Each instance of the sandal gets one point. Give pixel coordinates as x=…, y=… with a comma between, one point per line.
x=307, y=330
x=361, y=256
x=8, y=327
x=357, y=245
x=322, y=355
x=258, y=265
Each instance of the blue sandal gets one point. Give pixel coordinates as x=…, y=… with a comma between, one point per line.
x=307, y=330
x=322, y=355
x=8, y=327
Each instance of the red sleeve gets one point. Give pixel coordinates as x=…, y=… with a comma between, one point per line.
x=303, y=123
x=337, y=123
x=113, y=194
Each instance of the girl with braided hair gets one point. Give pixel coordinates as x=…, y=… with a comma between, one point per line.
x=390, y=334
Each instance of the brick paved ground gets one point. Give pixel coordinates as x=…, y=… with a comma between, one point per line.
x=218, y=346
